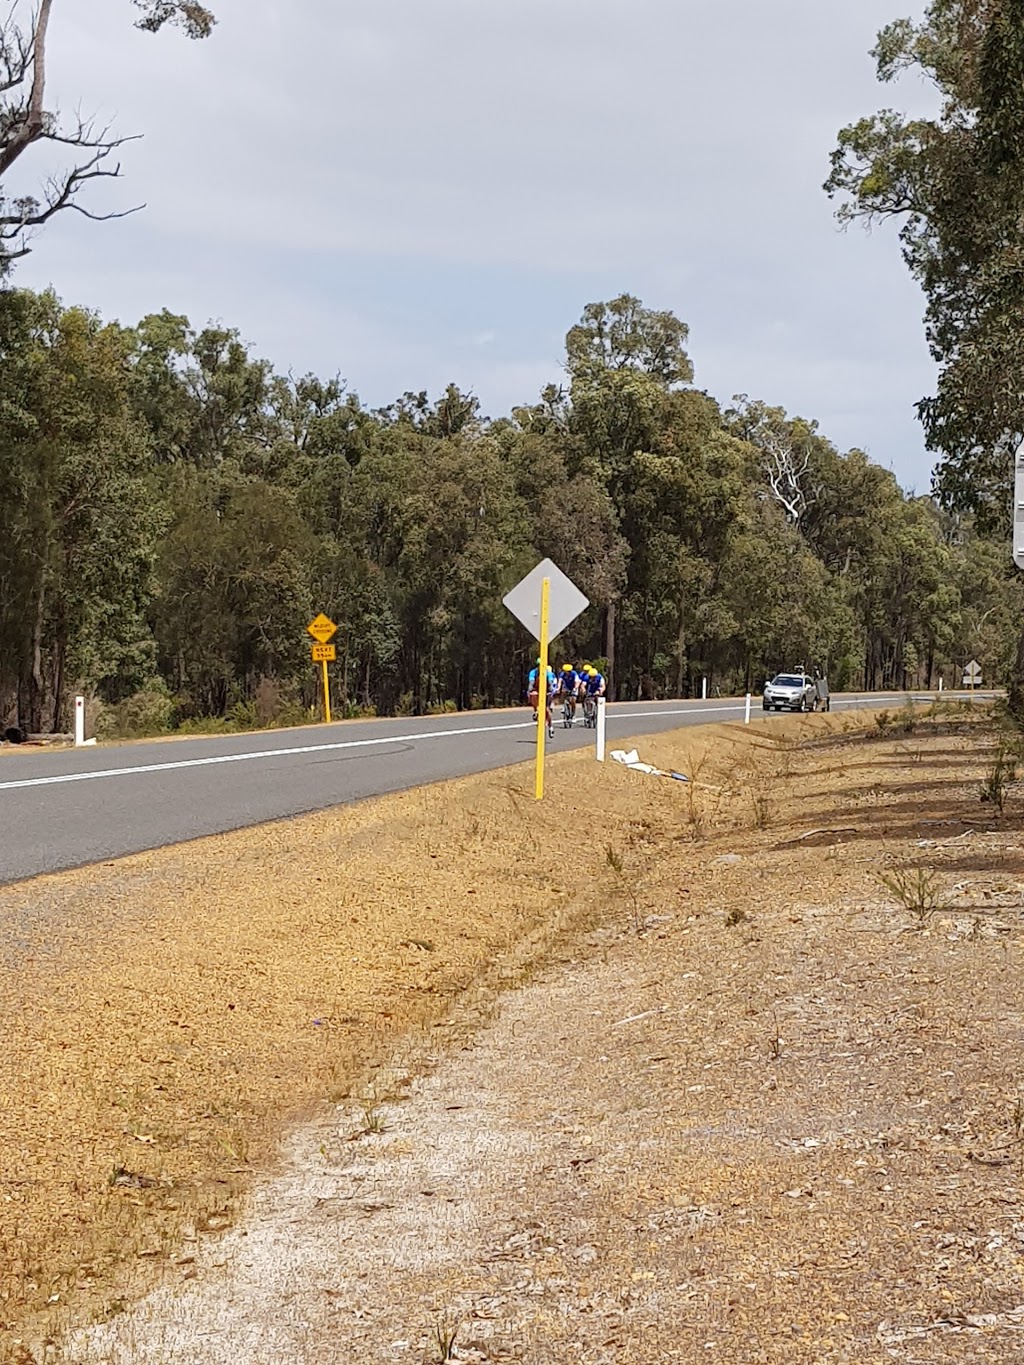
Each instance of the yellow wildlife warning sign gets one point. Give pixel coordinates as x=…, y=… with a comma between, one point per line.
x=322, y=628
x=324, y=654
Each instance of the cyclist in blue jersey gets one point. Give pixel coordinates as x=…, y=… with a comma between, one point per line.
x=533, y=693
x=568, y=687
x=595, y=687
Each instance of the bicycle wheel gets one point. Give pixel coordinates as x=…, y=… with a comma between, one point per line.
x=567, y=715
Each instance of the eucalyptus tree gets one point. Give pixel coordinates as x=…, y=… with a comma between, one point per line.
x=955, y=182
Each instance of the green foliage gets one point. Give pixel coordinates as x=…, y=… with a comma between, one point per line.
x=956, y=184
x=918, y=890
x=147, y=712
x=176, y=513
x=1001, y=775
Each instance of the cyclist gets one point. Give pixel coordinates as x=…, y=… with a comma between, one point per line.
x=596, y=685
x=568, y=686
x=533, y=693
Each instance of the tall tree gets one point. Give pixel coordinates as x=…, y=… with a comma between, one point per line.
x=956, y=183
x=624, y=361
x=80, y=522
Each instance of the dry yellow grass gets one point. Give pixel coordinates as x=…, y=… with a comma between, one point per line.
x=164, y=1013
x=167, y=1011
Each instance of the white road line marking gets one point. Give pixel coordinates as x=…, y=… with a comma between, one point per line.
x=261, y=753
x=614, y=715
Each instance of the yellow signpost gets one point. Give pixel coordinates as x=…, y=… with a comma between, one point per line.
x=542, y=687
x=322, y=628
x=545, y=601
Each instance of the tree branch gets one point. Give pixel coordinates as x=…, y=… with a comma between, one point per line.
x=33, y=120
x=61, y=195
x=24, y=119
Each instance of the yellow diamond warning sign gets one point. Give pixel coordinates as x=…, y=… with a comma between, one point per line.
x=322, y=628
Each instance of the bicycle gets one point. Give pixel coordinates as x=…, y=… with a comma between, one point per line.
x=568, y=713
x=590, y=712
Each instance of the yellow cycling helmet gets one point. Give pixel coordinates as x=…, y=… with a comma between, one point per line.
x=567, y=668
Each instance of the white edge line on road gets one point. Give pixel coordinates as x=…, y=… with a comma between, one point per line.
x=613, y=714
x=318, y=749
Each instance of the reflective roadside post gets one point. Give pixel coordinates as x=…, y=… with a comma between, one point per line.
x=1018, y=512
x=602, y=721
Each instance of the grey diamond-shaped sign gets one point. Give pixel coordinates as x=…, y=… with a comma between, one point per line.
x=565, y=601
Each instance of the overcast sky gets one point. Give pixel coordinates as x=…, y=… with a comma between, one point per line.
x=415, y=191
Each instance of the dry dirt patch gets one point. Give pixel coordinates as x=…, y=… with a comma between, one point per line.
x=755, y=1108
x=164, y=1013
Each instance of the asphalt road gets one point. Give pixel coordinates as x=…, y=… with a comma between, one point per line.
x=64, y=808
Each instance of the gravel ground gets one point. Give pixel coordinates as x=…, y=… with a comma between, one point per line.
x=762, y=1113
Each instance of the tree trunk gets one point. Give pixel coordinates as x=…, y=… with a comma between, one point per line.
x=609, y=647
x=680, y=656
x=37, y=684
x=60, y=651
x=344, y=670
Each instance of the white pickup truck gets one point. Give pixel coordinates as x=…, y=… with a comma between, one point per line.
x=795, y=692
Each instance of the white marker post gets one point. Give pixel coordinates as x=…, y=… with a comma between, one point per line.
x=79, y=722
x=602, y=721
x=746, y=714
x=704, y=689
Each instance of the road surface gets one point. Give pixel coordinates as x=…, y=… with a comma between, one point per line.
x=64, y=808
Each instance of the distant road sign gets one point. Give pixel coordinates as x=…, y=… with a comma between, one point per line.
x=564, y=605
x=1018, y=512
x=324, y=654
x=322, y=628
x=972, y=674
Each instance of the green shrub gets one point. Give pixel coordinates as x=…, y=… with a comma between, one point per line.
x=146, y=712
x=245, y=715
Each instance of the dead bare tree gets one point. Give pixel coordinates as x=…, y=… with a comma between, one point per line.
x=25, y=121
x=786, y=469
x=785, y=448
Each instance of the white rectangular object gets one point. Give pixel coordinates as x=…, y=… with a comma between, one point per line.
x=79, y=722
x=564, y=605
x=1018, y=512
x=602, y=722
